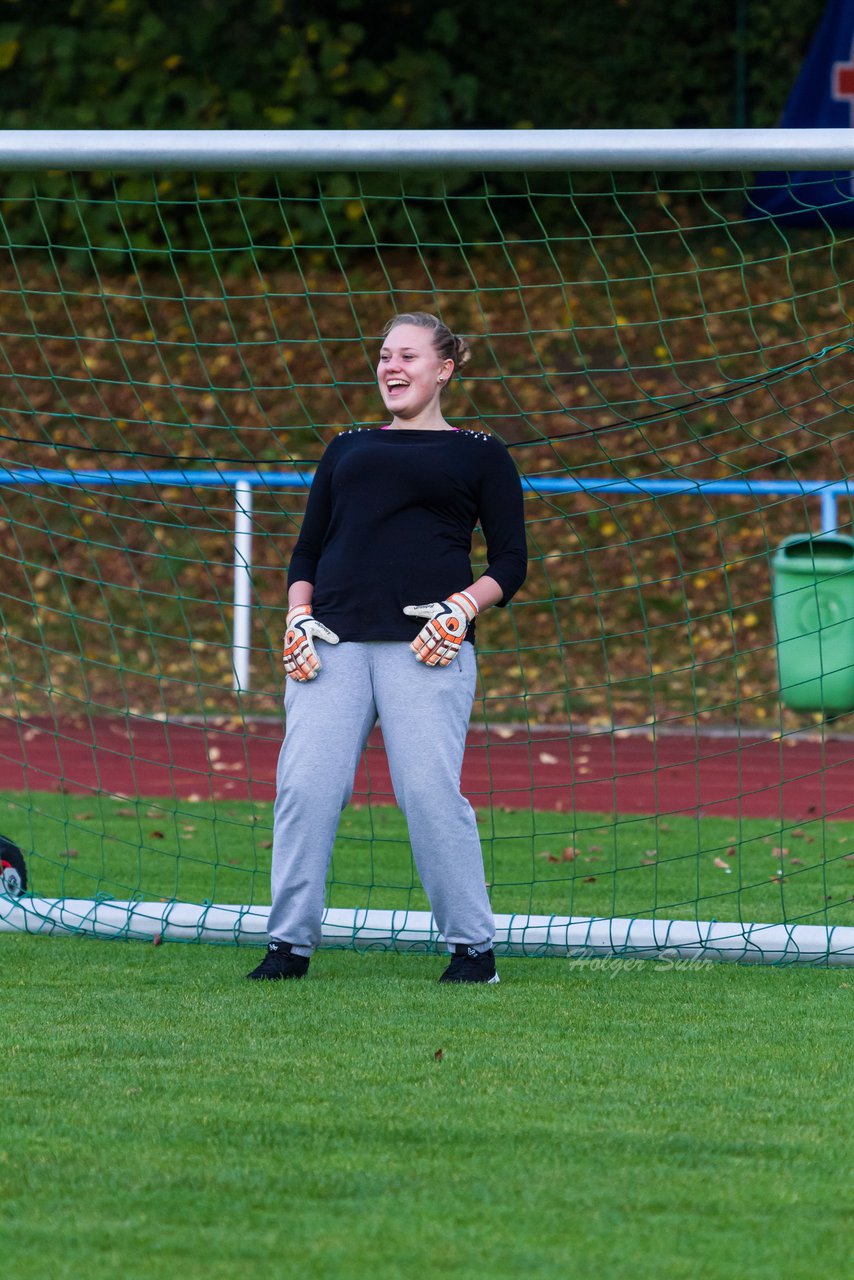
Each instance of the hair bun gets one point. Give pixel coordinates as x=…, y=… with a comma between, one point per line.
x=462, y=354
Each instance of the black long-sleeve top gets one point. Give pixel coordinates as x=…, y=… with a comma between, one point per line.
x=389, y=522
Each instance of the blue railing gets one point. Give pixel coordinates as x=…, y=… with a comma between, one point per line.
x=244, y=481
x=827, y=491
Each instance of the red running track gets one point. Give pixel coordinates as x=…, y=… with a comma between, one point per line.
x=796, y=778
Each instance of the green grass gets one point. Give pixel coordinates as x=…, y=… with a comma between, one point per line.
x=631, y=866
x=623, y=1119
x=163, y=1117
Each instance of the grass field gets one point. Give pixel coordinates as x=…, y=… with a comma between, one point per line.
x=162, y=1117
x=536, y=862
x=622, y=1119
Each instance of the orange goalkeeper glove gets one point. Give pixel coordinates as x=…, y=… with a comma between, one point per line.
x=299, y=654
x=439, y=642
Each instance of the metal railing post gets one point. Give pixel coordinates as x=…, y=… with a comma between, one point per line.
x=829, y=510
x=242, y=637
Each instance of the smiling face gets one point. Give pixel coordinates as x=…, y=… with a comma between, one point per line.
x=410, y=373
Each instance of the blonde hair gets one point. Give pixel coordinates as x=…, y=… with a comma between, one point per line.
x=447, y=345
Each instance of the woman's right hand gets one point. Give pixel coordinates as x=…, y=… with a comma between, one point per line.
x=299, y=654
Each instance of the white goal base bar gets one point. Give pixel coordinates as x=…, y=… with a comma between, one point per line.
x=576, y=937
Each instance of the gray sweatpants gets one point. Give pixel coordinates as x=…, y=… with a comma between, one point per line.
x=424, y=713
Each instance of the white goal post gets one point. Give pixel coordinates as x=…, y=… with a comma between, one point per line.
x=578, y=937
x=435, y=150
x=432, y=151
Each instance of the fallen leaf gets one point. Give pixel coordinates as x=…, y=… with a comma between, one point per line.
x=569, y=854
x=796, y=833
x=730, y=851
x=721, y=865
x=648, y=862
x=546, y=758
x=156, y=940
x=83, y=817
x=437, y=1056
x=266, y=844
x=594, y=848
x=796, y=862
x=214, y=753
x=125, y=813
x=70, y=853
x=156, y=835
x=589, y=879
x=779, y=853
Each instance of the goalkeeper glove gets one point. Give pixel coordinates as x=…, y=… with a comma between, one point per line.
x=439, y=642
x=299, y=654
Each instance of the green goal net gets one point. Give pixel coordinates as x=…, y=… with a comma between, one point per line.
x=673, y=377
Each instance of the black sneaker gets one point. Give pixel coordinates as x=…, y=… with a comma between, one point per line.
x=280, y=962
x=469, y=965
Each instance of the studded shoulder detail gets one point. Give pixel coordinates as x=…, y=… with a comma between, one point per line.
x=476, y=435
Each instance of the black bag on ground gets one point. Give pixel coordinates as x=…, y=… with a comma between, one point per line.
x=13, y=869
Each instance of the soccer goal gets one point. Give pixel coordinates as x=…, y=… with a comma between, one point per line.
x=187, y=320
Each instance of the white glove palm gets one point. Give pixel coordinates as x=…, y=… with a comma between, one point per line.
x=299, y=654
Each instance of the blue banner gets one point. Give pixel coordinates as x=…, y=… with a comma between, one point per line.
x=823, y=97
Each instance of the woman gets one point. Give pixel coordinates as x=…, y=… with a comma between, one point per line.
x=389, y=521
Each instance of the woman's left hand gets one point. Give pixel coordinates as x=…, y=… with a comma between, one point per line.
x=439, y=642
